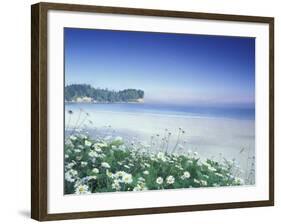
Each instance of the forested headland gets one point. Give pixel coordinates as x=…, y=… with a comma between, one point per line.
x=87, y=93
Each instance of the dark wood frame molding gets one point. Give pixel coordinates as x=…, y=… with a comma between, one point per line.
x=39, y=106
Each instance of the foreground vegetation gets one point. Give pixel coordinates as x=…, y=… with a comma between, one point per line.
x=109, y=164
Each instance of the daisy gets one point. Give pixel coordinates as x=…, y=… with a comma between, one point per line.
x=92, y=153
x=203, y=182
x=185, y=175
x=115, y=185
x=68, y=177
x=120, y=174
x=70, y=165
x=105, y=165
x=239, y=180
x=109, y=174
x=141, y=179
x=137, y=188
x=170, y=180
x=95, y=170
x=161, y=156
x=82, y=189
x=73, y=138
x=100, y=144
x=83, y=164
x=88, y=143
x=126, y=166
x=127, y=178
x=146, y=172
x=196, y=181
x=159, y=180
x=219, y=174
x=212, y=168
x=77, y=150
x=97, y=149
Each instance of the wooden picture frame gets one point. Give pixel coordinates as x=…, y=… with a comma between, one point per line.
x=39, y=110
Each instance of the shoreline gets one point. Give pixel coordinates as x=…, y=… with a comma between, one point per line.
x=67, y=102
x=184, y=116
x=154, y=113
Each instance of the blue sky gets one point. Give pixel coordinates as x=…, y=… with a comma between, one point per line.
x=170, y=68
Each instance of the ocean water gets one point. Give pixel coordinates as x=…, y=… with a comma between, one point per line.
x=172, y=110
x=212, y=132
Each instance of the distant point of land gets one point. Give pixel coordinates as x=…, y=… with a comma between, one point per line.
x=84, y=93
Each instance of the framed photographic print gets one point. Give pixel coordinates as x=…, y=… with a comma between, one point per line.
x=140, y=111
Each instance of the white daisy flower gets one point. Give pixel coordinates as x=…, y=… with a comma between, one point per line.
x=82, y=189
x=141, y=179
x=179, y=167
x=68, y=177
x=100, y=144
x=159, y=180
x=73, y=138
x=146, y=164
x=77, y=150
x=203, y=182
x=97, y=149
x=212, y=168
x=196, y=181
x=95, y=170
x=73, y=172
x=105, y=165
x=152, y=157
x=92, y=177
x=78, y=158
x=83, y=164
x=185, y=175
x=219, y=174
x=161, y=156
x=127, y=178
x=115, y=185
x=239, y=180
x=70, y=165
x=205, y=176
x=119, y=174
x=146, y=172
x=109, y=174
x=92, y=153
x=113, y=147
x=137, y=188
x=126, y=166
x=88, y=143
x=170, y=180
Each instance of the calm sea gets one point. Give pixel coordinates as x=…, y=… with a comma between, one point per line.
x=174, y=110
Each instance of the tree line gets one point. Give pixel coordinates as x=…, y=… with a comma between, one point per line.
x=74, y=91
